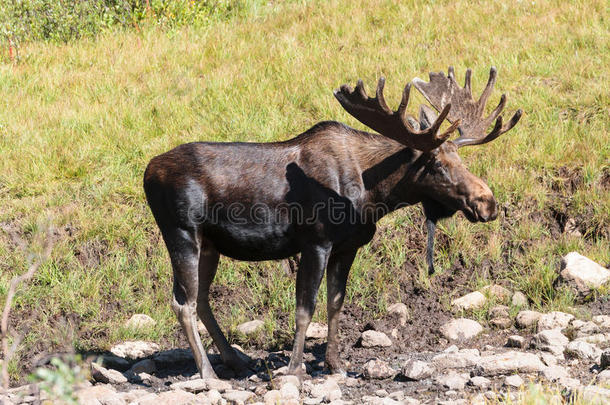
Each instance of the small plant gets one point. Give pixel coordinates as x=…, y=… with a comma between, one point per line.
x=60, y=382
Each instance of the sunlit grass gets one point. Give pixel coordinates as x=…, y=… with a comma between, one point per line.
x=79, y=122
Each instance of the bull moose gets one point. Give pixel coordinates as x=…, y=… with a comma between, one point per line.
x=318, y=194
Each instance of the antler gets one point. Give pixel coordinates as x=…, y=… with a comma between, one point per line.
x=375, y=114
x=442, y=91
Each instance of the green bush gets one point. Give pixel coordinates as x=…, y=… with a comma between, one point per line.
x=64, y=20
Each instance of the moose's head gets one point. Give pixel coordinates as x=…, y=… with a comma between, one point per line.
x=443, y=181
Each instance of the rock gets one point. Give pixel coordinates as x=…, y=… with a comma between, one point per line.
x=554, y=320
x=134, y=349
x=507, y=363
x=378, y=369
x=401, y=311
x=202, y=384
x=527, y=319
x=417, y=370
x=599, y=339
x=582, y=274
x=497, y=292
x=289, y=391
x=499, y=311
x=329, y=390
x=144, y=366
x=501, y=323
x=316, y=331
x=140, y=321
x=602, y=320
x=176, y=397
x=452, y=381
x=603, y=377
x=513, y=381
x=285, y=379
x=479, y=382
x=114, y=362
x=555, y=373
x=238, y=397
x=474, y=300
x=372, y=338
x=550, y=340
x=215, y=398
x=585, y=328
x=594, y=395
x=96, y=394
x=548, y=358
x=251, y=327
x=273, y=397
x=604, y=361
x=519, y=299
x=461, y=329
x=582, y=350
x=103, y=375
x=462, y=359
x=173, y=357
x=515, y=341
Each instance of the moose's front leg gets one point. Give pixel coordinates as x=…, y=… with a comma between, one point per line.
x=336, y=281
x=311, y=269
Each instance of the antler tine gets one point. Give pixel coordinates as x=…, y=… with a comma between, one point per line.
x=488, y=89
x=467, y=81
x=375, y=113
x=442, y=90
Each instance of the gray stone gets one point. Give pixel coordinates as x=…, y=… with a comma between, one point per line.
x=515, y=341
x=582, y=350
x=273, y=397
x=582, y=274
x=452, y=381
x=250, y=327
x=497, y=292
x=202, y=384
x=329, y=390
x=461, y=359
x=106, y=376
x=140, y=321
x=94, y=395
x=378, y=369
x=134, y=349
x=554, y=320
x=555, y=373
x=603, y=321
x=401, y=311
x=527, y=319
x=201, y=328
x=584, y=329
x=550, y=340
x=501, y=323
x=372, y=338
x=479, y=382
x=316, y=331
x=473, y=300
x=417, y=370
x=144, y=366
x=599, y=339
x=215, y=398
x=548, y=358
x=507, y=363
x=499, y=311
x=513, y=381
x=289, y=391
x=238, y=397
x=519, y=299
x=603, y=377
x=461, y=329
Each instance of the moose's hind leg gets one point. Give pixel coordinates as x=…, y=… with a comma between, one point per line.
x=184, y=250
x=208, y=263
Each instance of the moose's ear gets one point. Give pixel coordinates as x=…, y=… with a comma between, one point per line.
x=426, y=117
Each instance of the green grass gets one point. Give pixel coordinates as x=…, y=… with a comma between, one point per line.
x=79, y=122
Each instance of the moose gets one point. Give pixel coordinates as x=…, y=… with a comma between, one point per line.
x=319, y=194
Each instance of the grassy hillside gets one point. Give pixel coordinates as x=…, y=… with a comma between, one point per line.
x=79, y=122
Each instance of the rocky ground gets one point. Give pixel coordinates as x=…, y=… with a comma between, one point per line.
x=416, y=353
